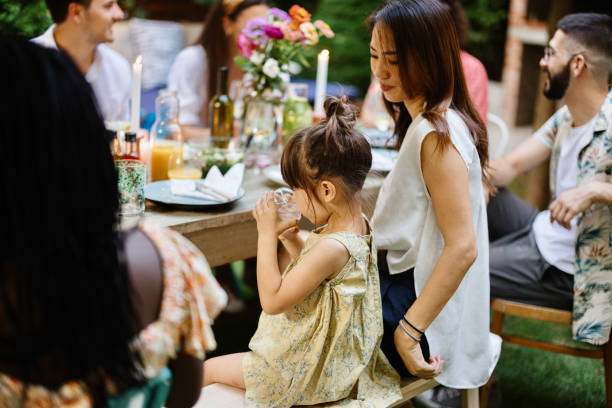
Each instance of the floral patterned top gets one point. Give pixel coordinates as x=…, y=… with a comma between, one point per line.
x=326, y=349
x=592, y=317
x=190, y=300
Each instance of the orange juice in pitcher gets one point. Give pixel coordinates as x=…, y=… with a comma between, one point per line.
x=166, y=135
x=160, y=156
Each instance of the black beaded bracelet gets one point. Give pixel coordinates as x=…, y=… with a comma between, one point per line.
x=401, y=323
x=421, y=332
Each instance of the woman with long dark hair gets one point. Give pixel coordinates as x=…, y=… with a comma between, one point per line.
x=430, y=216
x=86, y=311
x=194, y=73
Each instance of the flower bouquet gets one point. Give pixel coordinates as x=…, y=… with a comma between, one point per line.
x=275, y=44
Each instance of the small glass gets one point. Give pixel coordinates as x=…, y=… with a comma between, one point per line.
x=287, y=208
x=181, y=168
x=131, y=180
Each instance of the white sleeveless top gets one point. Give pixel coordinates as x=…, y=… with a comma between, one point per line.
x=404, y=223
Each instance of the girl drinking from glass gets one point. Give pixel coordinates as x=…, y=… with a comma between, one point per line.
x=319, y=334
x=430, y=216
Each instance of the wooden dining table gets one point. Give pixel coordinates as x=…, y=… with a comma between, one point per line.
x=229, y=233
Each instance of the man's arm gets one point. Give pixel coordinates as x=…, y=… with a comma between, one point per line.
x=530, y=153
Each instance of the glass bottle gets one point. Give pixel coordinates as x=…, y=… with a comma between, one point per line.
x=113, y=141
x=166, y=136
x=132, y=151
x=297, y=113
x=222, y=113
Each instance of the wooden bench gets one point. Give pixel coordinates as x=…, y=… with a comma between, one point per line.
x=224, y=396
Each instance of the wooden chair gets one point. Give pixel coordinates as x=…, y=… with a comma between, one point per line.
x=501, y=308
x=224, y=396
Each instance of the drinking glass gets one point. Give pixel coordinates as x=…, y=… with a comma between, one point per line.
x=180, y=168
x=287, y=208
x=131, y=180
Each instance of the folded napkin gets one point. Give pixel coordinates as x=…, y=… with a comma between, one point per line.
x=215, y=186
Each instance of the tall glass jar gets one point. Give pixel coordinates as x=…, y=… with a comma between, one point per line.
x=297, y=113
x=259, y=130
x=166, y=136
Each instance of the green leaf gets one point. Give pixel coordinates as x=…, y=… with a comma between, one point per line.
x=241, y=61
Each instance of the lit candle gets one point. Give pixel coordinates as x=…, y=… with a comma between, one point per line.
x=136, y=83
x=321, y=88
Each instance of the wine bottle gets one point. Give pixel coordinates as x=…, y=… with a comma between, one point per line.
x=222, y=113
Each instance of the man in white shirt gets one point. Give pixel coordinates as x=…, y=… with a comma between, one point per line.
x=535, y=255
x=81, y=27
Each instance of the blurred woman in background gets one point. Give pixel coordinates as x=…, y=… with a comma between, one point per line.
x=194, y=73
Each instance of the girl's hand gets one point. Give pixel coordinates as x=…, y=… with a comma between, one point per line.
x=266, y=216
x=293, y=240
x=412, y=356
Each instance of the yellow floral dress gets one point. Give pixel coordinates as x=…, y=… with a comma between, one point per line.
x=327, y=348
x=191, y=299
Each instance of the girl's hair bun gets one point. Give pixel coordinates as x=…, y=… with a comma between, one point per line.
x=339, y=113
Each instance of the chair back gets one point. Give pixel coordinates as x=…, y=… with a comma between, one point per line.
x=498, y=136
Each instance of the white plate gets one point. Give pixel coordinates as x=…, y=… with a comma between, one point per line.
x=273, y=173
x=159, y=192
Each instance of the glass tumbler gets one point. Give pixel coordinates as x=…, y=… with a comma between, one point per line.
x=287, y=208
x=131, y=180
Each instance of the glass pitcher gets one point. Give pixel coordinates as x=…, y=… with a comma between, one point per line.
x=166, y=136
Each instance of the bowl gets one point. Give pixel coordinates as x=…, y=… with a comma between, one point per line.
x=207, y=152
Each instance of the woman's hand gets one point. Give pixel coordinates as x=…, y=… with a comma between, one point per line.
x=412, y=356
x=267, y=218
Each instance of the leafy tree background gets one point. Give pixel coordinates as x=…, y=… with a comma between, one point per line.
x=26, y=18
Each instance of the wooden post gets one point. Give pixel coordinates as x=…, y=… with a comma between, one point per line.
x=538, y=191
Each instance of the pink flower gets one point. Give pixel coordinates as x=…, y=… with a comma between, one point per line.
x=245, y=45
x=291, y=31
x=273, y=32
x=325, y=28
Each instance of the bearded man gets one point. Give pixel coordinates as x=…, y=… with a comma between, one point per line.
x=562, y=257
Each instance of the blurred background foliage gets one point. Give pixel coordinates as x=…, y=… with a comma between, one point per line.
x=349, y=56
x=26, y=18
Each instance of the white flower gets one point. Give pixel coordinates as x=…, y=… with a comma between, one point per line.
x=271, y=68
x=257, y=57
x=294, y=68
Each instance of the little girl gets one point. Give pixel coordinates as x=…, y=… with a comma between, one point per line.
x=318, y=339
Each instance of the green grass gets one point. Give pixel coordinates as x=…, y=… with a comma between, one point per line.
x=534, y=378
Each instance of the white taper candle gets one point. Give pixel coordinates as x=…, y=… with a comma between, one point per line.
x=136, y=84
x=321, y=87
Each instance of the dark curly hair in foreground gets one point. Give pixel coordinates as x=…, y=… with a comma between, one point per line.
x=65, y=308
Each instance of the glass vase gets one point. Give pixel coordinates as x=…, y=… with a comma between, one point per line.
x=259, y=135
